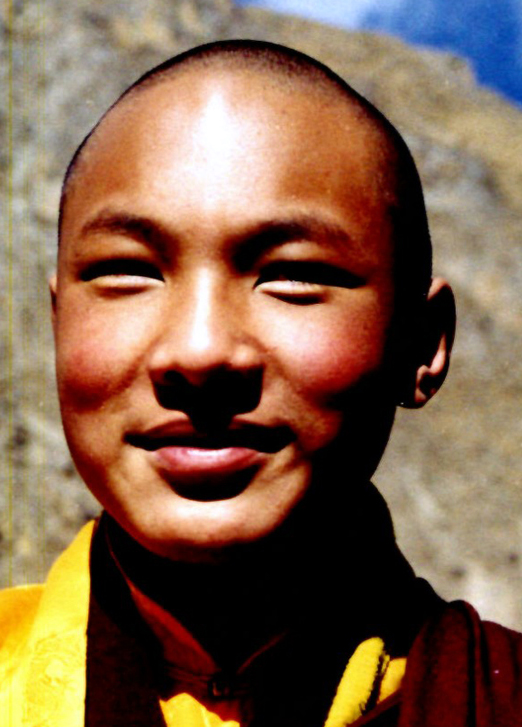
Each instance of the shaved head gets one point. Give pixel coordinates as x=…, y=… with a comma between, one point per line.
x=245, y=258
x=294, y=71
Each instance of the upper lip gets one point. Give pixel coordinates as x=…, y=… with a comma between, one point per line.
x=239, y=434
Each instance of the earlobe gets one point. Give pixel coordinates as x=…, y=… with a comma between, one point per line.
x=435, y=340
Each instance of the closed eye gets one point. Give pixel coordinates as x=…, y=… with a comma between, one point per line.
x=304, y=280
x=123, y=268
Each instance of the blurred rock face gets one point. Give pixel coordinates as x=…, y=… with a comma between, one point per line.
x=452, y=473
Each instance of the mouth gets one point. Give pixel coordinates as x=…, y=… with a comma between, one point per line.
x=215, y=466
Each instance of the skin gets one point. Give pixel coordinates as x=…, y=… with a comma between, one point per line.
x=226, y=262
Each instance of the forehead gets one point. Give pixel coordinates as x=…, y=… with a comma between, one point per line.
x=250, y=131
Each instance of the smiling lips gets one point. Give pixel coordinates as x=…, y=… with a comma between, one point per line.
x=186, y=457
x=198, y=465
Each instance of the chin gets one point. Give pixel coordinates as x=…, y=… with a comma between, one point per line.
x=197, y=531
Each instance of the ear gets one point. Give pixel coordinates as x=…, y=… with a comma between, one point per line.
x=433, y=343
x=53, y=284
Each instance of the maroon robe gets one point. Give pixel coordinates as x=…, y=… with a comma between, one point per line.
x=461, y=672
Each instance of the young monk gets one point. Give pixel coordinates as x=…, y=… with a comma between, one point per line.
x=243, y=296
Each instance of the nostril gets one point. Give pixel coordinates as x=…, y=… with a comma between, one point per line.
x=214, y=401
x=174, y=391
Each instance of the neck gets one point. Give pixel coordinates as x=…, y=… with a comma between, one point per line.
x=236, y=606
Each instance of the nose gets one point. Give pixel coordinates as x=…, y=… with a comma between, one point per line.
x=206, y=360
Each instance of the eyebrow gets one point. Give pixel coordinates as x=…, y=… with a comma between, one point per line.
x=261, y=236
x=138, y=227
x=266, y=236
x=302, y=225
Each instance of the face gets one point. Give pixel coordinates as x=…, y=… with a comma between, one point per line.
x=222, y=310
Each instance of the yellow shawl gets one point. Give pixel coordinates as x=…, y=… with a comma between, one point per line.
x=43, y=647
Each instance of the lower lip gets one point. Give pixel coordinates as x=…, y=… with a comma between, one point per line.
x=189, y=464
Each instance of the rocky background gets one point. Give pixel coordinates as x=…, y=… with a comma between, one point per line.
x=453, y=472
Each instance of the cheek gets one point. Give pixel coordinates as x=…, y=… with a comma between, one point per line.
x=94, y=362
x=330, y=359
x=85, y=378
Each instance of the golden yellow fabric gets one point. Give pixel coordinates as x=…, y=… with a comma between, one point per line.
x=43, y=643
x=369, y=672
x=392, y=679
x=43, y=646
x=183, y=710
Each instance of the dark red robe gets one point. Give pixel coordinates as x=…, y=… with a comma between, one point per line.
x=461, y=672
